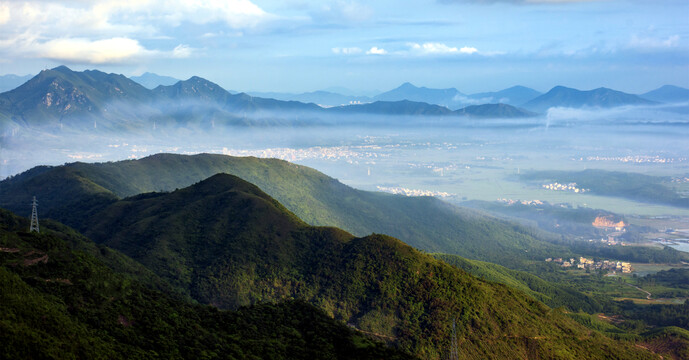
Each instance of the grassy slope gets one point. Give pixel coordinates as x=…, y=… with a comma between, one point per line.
x=74, y=306
x=230, y=244
x=552, y=294
x=424, y=223
x=671, y=342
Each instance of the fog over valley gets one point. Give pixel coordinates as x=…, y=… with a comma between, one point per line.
x=261, y=179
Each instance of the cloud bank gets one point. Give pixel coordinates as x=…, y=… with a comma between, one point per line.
x=110, y=32
x=431, y=48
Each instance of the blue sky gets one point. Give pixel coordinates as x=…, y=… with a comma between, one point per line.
x=296, y=46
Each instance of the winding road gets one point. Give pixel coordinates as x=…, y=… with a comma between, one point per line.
x=648, y=294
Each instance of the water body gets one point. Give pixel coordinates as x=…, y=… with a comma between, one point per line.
x=681, y=246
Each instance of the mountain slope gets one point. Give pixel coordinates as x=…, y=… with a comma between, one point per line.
x=515, y=96
x=11, y=81
x=230, y=244
x=320, y=97
x=561, y=96
x=61, y=302
x=407, y=91
x=199, y=90
x=552, y=294
x=668, y=94
x=62, y=95
x=423, y=222
x=494, y=111
x=401, y=107
x=151, y=80
x=194, y=88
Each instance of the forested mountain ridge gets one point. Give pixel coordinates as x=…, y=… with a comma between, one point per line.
x=422, y=222
x=227, y=243
x=65, y=297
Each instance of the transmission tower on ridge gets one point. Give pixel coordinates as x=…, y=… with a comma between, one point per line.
x=34, y=216
x=454, y=348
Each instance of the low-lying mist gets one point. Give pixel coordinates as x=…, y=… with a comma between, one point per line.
x=470, y=158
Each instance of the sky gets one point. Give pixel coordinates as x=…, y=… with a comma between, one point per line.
x=365, y=46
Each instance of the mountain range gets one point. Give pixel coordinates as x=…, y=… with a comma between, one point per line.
x=561, y=96
x=223, y=241
x=423, y=222
x=11, y=81
x=517, y=96
x=450, y=98
x=60, y=96
x=320, y=97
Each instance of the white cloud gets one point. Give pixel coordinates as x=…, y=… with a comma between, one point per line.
x=654, y=43
x=234, y=13
x=468, y=50
x=4, y=13
x=109, y=31
x=110, y=18
x=107, y=51
x=431, y=48
x=182, y=51
x=376, y=51
x=346, y=51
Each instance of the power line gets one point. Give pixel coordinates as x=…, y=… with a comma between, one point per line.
x=34, y=216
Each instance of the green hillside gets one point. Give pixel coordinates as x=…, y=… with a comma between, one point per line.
x=61, y=301
x=552, y=294
x=422, y=222
x=229, y=244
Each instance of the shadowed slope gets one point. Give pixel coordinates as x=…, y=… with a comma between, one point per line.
x=230, y=244
x=62, y=300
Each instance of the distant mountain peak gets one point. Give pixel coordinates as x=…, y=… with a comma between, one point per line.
x=494, y=111
x=197, y=79
x=62, y=68
x=602, y=97
x=562, y=88
x=668, y=94
x=151, y=80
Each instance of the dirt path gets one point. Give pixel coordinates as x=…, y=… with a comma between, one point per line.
x=648, y=294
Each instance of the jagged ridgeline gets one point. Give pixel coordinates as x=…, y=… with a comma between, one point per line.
x=70, y=192
x=225, y=242
x=63, y=297
x=92, y=98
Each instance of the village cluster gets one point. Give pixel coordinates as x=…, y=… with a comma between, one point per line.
x=590, y=264
x=635, y=159
x=413, y=192
x=571, y=187
x=523, y=202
